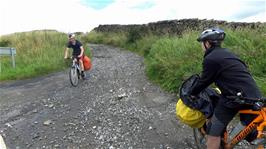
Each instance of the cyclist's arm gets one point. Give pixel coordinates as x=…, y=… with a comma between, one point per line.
x=81, y=52
x=209, y=73
x=66, y=52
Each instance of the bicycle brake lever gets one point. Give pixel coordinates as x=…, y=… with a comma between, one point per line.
x=258, y=105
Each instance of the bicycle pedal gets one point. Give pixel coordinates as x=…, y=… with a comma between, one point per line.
x=85, y=78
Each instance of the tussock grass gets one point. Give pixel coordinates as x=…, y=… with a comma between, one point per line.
x=171, y=59
x=168, y=59
x=38, y=53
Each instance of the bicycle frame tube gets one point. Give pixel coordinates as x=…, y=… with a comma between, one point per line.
x=259, y=122
x=261, y=127
x=75, y=63
x=262, y=122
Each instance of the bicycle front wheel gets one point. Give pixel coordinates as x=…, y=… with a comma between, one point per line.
x=200, y=139
x=73, y=76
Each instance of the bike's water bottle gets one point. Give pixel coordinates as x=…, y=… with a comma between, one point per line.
x=236, y=130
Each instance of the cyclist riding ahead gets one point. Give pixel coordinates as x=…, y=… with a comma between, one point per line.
x=78, y=51
x=231, y=76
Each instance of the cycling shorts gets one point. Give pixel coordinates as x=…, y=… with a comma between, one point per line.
x=222, y=116
x=78, y=58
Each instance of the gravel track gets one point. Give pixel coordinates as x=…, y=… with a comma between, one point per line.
x=117, y=107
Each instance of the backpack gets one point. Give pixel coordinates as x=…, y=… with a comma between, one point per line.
x=86, y=63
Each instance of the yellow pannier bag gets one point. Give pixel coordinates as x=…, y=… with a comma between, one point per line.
x=189, y=116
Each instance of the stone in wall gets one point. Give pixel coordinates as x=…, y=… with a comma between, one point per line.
x=175, y=27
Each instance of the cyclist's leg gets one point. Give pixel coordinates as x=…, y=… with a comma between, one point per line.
x=81, y=63
x=220, y=119
x=82, y=66
x=213, y=142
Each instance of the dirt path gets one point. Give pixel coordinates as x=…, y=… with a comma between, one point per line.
x=117, y=107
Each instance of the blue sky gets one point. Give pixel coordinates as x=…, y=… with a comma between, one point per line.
x=144, y=5
x=84, y=15
x=100, y=4
x=250, y=8
x=97, y=4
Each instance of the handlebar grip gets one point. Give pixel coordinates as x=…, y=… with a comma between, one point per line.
x=232, y=97
x=263, y=100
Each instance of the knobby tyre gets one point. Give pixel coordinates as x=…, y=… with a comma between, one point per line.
x=73, y=76
x=200, y=139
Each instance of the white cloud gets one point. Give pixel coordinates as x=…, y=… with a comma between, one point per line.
x=260, y=17
x=26, y=15
x=71, y=15
x=120, y=12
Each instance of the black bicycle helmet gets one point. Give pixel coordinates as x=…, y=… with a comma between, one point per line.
x=71, y=35
x=212, y=34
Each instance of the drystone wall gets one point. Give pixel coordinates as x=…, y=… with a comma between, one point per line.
x=175, y=27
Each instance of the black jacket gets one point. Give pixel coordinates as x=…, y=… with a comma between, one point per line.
x=76, y=48
x=228, y=72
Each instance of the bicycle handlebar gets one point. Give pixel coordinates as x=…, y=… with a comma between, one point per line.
x=72, y=57
x=247, y=99
x=257, y=102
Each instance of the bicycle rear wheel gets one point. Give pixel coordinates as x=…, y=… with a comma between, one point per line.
x=74, y=76
x=201, y=139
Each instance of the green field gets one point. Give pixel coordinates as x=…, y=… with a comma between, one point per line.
x=170, y=60
x=38, y=53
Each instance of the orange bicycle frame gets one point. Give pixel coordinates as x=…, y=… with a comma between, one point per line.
x=259, y=123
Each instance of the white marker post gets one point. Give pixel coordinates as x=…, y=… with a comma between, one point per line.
x=2, y=143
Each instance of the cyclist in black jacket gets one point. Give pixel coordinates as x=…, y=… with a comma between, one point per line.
x=230, y=75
